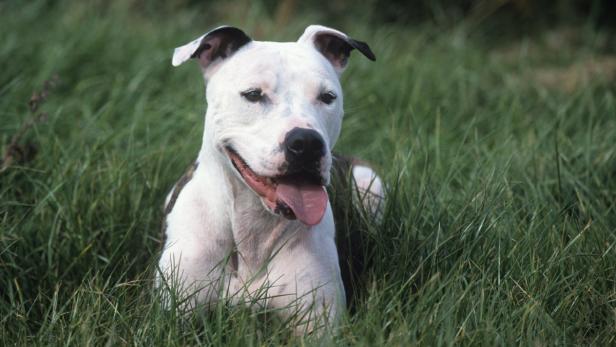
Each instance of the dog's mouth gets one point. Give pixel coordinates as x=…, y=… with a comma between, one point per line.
x=299, y=196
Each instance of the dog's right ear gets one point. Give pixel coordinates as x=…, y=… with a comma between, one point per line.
x=212, y=47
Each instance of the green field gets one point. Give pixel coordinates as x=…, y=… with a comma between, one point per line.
x=499, y=154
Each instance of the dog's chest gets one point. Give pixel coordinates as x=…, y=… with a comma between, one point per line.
x=258, y=235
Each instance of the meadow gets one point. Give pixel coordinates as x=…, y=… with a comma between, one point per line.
x=498, y=153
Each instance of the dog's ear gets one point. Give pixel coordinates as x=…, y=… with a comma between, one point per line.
x=336, y=46
x=212, y=47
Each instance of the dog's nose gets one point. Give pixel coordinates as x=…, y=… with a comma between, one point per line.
x=304, y=145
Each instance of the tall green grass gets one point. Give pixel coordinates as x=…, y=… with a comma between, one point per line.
x=500, y=227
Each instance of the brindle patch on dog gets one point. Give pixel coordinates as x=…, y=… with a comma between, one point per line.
x=179, y=185
x=352, y=243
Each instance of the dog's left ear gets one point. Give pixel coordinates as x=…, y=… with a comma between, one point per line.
x=212, y=47
x=336, y=46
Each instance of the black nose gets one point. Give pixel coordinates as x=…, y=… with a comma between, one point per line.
x=304, y=146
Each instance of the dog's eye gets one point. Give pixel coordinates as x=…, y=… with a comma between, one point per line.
x=253, y=95
x=327, y=97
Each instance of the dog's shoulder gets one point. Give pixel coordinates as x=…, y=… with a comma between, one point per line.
x=177, y=188
x=173, y=196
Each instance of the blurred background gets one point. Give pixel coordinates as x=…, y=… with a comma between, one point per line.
x=528, y=15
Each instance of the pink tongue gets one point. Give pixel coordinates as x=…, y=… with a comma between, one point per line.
x=308, y=201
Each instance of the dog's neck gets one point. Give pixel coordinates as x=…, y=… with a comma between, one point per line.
x=257, y=233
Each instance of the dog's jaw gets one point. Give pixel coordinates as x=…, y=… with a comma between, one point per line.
x=296, y=196
x=264, y=187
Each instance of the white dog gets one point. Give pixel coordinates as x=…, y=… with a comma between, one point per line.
x=252, y=217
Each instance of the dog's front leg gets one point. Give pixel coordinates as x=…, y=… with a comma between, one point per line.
x=304, y=278
x=188, y=277
x=196, y=266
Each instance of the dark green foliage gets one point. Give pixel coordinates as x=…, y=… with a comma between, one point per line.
x=500, y=163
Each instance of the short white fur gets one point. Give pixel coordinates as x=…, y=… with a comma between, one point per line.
x=217, y=216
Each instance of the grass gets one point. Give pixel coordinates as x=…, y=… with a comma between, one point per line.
x=500, y=226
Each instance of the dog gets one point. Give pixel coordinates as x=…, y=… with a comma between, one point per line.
x=251, y=220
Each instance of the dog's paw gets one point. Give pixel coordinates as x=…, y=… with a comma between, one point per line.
x=370, y=190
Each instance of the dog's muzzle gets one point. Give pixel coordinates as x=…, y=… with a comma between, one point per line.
x=299, y=192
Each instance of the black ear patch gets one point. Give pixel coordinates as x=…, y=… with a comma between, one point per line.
x=337, y=49
x=221, y=43
x=362, y=47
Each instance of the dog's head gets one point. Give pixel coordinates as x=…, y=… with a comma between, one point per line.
x=275, y=111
